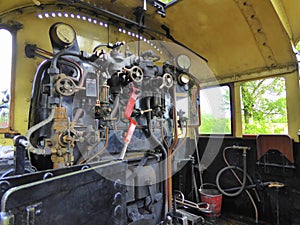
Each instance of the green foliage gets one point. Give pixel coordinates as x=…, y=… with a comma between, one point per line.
x=212, y=125
x=166, y=1
x=298, y=46
x=264, y=106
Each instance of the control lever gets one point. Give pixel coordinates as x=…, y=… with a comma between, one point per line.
x=128, y=137
x=128, y=111
x=131, y=102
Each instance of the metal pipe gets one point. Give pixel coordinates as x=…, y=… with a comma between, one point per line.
x=60, y=54
x=21, y=143
x=164, y=152
x=100, y=152
x=34, y=128
x=115, y=106
x=181, y=143
x=169, y=161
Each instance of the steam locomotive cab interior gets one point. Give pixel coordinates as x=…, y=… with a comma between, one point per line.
x=105, y=119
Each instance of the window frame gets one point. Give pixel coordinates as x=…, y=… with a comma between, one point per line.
x=231, y=107
x=249, y=135
x=10, y=129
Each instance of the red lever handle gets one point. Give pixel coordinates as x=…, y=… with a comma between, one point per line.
x=131, y=102
x=130, y=130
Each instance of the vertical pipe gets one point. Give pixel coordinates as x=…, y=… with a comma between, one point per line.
x=169, y=160
x=20, y=143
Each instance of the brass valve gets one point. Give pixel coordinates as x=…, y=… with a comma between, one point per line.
x=61, y=142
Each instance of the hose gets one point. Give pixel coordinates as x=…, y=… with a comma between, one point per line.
x=231, y=168
x=34, y=128
x=247, y=192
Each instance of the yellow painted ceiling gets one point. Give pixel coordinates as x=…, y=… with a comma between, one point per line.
x=235, y=36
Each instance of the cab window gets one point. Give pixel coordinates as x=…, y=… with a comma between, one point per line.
x=264, y=106
x=216, y=113
x=5, y=84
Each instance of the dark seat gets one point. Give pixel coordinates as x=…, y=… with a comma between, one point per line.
x=280, y=142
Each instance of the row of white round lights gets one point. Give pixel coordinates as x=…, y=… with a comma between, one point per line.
x=140, y=37
x=71, y=15
x=47, y=15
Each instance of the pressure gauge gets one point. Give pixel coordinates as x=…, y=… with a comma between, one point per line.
x=183, y=62
x=63, y=34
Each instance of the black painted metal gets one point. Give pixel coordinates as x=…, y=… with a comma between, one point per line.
x=91, y=196
x=20, y=155
x=10, y=181
x=287, y=197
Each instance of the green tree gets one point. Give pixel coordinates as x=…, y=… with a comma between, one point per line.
x=264, y=103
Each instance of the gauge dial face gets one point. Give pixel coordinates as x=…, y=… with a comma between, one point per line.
x=183, y=61
x=66, y=33
x=63, y=34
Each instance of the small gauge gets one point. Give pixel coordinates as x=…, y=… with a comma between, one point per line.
x=183, y=62
x=63, y=34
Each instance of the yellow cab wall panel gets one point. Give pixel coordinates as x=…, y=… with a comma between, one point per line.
x=291, y=8
x=219, y=31
x=215, y=34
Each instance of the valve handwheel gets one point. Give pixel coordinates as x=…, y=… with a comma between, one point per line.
x=65, y=86
x=168, y=80
x=136, y=74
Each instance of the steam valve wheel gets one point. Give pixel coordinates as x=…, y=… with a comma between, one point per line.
x=65, y=86
x=136, y=74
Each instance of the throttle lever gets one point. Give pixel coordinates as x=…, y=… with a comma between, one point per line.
x=127, y=138
x=135, y=93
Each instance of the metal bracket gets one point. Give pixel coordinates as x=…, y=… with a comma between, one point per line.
x=32, y=212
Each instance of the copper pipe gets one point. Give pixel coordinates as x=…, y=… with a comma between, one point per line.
x=44, y=51
x=170, y=150
x=181, y=143
x=169, y=161
x=163, y=135
x=81, y=81
x=100, y=152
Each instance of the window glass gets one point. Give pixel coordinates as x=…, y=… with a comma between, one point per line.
x=215, y=110
x=167, y=1
x=264, y=106
x=5, y=66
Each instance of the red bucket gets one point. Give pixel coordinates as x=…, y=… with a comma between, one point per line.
x=213, y=197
